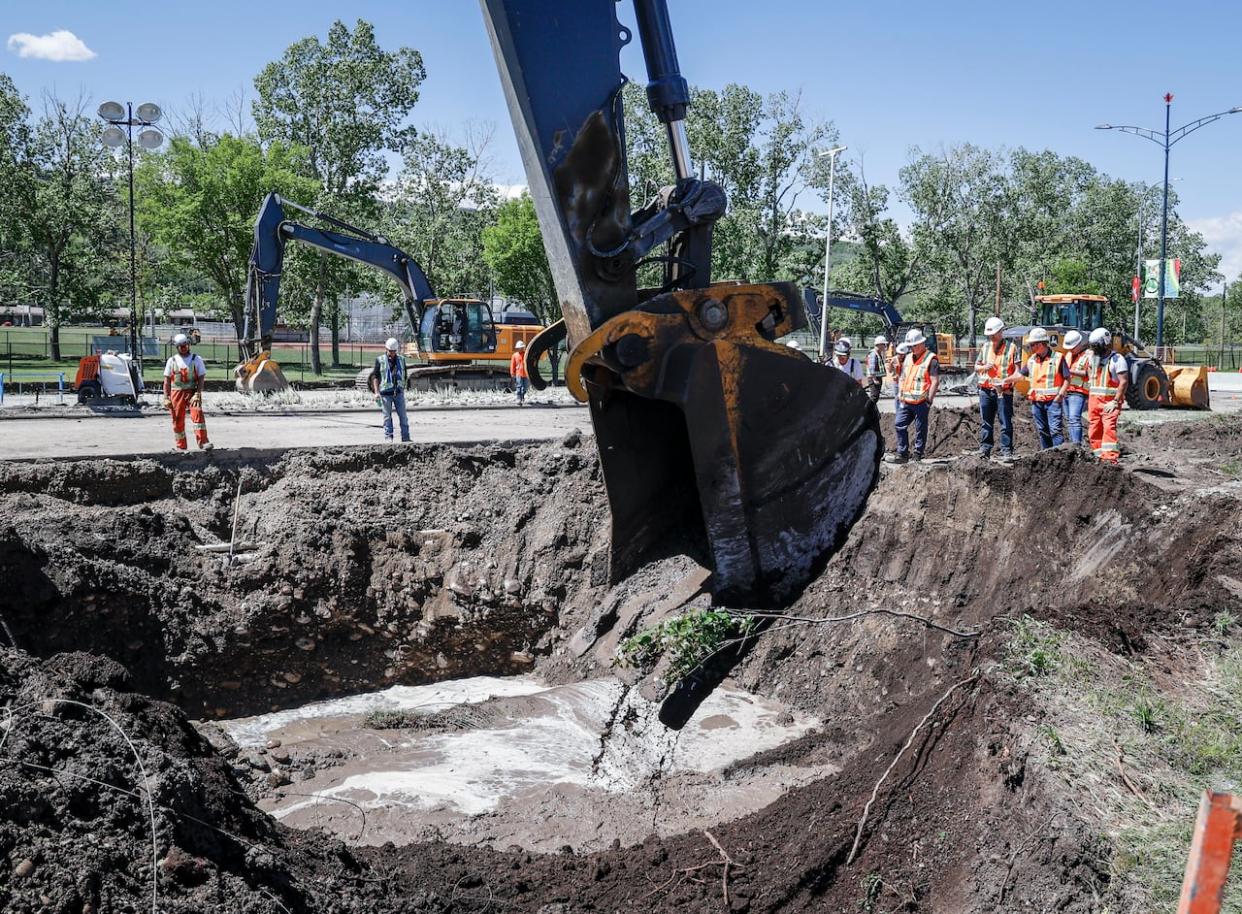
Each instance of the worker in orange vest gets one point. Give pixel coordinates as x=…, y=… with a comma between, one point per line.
x=1108, y=378
x=1049, y=379
x=184, y=375
x=916, y=391
x=995, y=367
x=1077, y=357
x=517, y=371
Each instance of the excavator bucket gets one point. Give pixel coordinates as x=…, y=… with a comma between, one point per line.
x=1188, y=386
x=709, y=428
x=260, y=375
x=713, y=436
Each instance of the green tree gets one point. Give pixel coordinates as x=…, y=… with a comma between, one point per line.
x=514, y=252
x=346, y=101
x=71, y=217
x=17, y=179
x=200, y=203
x=439, y=207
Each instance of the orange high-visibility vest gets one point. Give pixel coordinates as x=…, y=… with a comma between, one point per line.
x=1000, y=365
x=1081, y=364
x=916, y=378
x=517, y=365
x=1045, y=377
x=1103, y=384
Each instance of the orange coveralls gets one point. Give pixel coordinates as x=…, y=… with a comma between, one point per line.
x=184, y=386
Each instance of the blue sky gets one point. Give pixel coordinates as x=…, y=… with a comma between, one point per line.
x=891, y=75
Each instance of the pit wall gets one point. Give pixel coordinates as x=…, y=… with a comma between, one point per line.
x=371, y=567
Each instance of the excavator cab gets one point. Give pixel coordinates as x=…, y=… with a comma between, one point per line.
x=455, y=328
x=1072, y=312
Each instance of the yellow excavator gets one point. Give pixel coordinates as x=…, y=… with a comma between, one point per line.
x=1153, y=383
x=456, y=341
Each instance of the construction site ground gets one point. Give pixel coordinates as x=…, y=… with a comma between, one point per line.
x=1005, y=693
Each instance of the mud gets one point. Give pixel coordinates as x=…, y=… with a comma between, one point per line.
x=377, y=569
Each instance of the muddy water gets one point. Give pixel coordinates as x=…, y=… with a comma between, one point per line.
x=518, y=763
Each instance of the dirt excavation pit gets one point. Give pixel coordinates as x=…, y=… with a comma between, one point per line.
x=400, y=695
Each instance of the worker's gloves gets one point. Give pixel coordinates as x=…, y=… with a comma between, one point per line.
x=197, y=400
x=1111, y=406
x=168, y=403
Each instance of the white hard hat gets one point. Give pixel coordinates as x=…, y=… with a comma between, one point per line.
x=1073, y=339
x=993, y=326
x=392, y=344
x=880, y=341
x=1037, y=335
x=181, y=340
x=903, y=348
x=843, y=344
x=521, y=344
x=1100, y=335
x=793, y=344
x=915, y=337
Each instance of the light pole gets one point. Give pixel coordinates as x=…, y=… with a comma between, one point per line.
x=149, y=137
x=823, y=311
x=1167, y=140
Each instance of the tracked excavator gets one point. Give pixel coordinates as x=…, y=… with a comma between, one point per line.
x=708, y=428
x=457, y=342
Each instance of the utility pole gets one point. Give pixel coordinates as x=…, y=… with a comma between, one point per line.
x=1167, y=140
x=823, y=311
x=1138, y=271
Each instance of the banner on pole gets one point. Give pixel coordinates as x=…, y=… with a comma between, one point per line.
x=1172, y=278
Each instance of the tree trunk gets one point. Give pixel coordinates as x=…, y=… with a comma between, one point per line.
x=316, y=311
x=334, y=326
x=237, y=308
x=52, y=312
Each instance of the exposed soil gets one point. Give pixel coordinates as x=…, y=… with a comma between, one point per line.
x=377, y=567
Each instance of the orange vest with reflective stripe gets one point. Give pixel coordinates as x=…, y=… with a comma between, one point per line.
x=1081, y=364
x=1103, y=384
x=916, y=378
x=1045, y=378
x=1000, y=365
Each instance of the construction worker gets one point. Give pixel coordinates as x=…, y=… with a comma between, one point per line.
x=843, y=361
x=917, y=386
x=995, y=365
x=388, y=380
x=895, y=364
x=1049, y=377
x=517, y=371
x=1077, y=358
x=1108, y=376
x=184, y=376
x=873, y=373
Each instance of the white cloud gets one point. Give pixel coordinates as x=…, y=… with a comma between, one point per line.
x=60, y=45
x=1223, y=235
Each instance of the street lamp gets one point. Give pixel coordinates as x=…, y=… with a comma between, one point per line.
x=823, y=311
x=149, y=137
x=1167, y=140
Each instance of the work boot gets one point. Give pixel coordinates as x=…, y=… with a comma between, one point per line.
x=898, y=458
x=918, y=455
x=985, y=454
x=1006, y=457
x=208, y=446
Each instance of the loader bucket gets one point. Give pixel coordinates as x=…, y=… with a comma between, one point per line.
x=713, y=434
x=260, y=375
x=1188, y=386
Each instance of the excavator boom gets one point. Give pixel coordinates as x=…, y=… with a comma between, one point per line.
x=710, y=431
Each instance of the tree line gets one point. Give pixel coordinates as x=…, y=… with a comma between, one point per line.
x=330, y=126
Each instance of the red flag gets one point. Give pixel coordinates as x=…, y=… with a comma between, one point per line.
x=1135, y=285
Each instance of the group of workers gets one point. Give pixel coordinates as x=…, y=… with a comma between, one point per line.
x=1089, y=379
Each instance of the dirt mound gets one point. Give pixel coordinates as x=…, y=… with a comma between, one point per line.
x=82, y=790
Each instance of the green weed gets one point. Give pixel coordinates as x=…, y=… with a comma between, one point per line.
x=1035, y=648
x=687, y=640
x=1232, y=468
x=1224, y=623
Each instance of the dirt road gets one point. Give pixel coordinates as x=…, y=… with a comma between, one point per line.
x=63, y=437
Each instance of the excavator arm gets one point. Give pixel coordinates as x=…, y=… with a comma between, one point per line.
x=711, y=434
x=272, y=231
